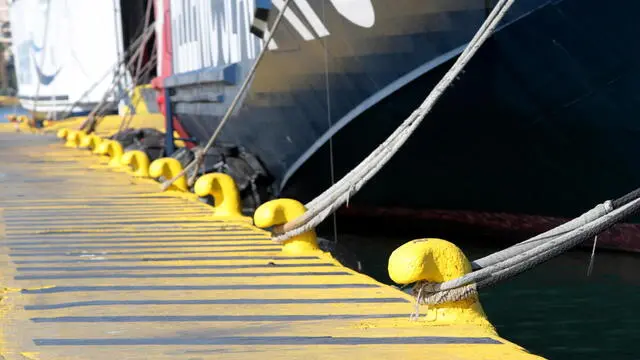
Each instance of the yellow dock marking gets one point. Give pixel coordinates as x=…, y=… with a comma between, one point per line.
x=99, y=266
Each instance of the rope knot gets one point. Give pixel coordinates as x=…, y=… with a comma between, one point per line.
x=429, y=293
x=199, y=155
x=197, y=163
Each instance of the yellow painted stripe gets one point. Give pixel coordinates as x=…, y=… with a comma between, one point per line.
x=101, y=266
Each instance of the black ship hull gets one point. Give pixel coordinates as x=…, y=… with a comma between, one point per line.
x=542, y=124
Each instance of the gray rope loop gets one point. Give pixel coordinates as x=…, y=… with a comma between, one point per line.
x=199, y=157
x=197, y=161
x=429, y=293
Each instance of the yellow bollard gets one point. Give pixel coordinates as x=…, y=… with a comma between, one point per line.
x=112, y=149
x=437, y=261
x=74, y=137
x=168, y=168
x=137, y=162
x=27, y=121
x=280, y=211
x=90, y=141
x=224, y=191
x=62, y=133
x=101, y=149
x=70, y=138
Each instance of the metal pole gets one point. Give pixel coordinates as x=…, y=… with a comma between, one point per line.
x=169, y=145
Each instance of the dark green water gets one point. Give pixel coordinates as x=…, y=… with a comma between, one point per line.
x=554, y=310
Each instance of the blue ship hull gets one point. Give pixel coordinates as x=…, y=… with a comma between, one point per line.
x=542, y=122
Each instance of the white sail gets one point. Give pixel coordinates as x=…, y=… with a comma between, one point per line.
x=63, y=48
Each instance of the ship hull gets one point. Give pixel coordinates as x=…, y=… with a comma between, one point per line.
x=542, y=124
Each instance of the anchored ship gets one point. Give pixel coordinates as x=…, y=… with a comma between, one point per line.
x=539, y=127
x=68, y=53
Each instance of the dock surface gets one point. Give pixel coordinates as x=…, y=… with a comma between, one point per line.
x=99, y=265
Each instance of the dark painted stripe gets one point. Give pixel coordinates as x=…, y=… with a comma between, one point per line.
x=98, y=252
x=157, y=197
x=135, y=222
x=101, y=206
x=186, y=258
x=127, y=235
x=47, y=229
x=229, y=239
x=96, y=213
x=184, y=267
x=61, y=217
x=159, y=227
x=271, y=340
x=140, y=219
x=133, y=202
x=162, y=221
x=44, y=97
x=99, y=247
x=210, y=318
x=177, y=276
x=115, y=199
x=117, y=288
x=98, y=200
x=216, y=302
x=163, y=232
x=116, y=233
x=98, y=207
x=151, y=223
x=96, y=204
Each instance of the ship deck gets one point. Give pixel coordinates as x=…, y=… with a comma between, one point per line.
x=100, y=265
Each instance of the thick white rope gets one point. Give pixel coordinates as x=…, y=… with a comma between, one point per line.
x=591, y=215
x=529, y=258
x=338, y=194
x=140, y=70
x=121, y=72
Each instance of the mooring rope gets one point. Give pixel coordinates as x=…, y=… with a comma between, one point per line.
x=426, y=293
x=140, y=69
x=339, y=193
x=69, y=108
x=147, y=22
x=589, y=216
x=121, y=73
x=593, y=255
x=128, y=118
x=199, y=156
x=453, y=290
